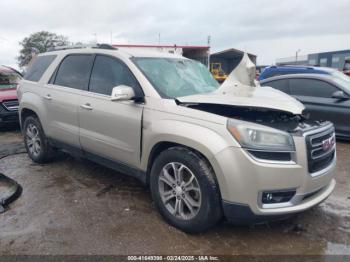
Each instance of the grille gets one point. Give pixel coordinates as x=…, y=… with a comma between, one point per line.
x=11, y=105
x=320, y=149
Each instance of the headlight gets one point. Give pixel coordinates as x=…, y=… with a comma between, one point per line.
x=256, y=137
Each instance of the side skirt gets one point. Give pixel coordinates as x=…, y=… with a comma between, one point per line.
x=117, y=166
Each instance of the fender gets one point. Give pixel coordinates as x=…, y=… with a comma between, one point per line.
x=34, y=103
x=183, y=133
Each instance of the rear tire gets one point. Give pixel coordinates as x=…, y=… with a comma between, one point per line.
x=35, y=141
x=185, y=191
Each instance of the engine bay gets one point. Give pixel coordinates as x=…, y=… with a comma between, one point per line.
x=281, y=120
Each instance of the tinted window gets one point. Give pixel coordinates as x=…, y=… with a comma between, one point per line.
x=107, y=73
x=281, y=85
x=311, y=87
x=38, y=67
x=74, y=71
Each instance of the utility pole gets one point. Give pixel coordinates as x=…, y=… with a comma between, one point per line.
x=296, y=56
x=95, y=35
x=208, y=42
x=158, y=38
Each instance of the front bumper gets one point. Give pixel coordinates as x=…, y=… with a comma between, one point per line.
x=242, y=179
x=8, y=117
x=242, y=214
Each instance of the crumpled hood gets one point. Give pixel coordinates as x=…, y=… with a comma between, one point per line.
x=243, y=74
x=8, y=94
x=258, y=97
x=241, y=89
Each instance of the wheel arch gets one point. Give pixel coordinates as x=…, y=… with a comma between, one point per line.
x=31, y=104
x=25, y=112
x=161, y=146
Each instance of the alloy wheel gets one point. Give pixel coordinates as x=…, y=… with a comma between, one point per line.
x=179, y=190
x=33, y=140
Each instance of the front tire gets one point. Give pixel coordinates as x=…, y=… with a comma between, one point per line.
x=185, y=191
x=35, y=141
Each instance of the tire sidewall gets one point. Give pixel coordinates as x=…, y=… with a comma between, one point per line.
x=209, y=196
x=43, y=142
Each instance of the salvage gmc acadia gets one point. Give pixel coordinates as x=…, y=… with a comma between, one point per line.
x=207, y=151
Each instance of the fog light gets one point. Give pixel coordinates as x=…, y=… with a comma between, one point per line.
x=274, y=197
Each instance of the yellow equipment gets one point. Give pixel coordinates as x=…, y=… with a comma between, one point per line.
x=217, y=72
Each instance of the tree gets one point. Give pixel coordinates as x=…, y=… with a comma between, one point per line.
x=36, y=43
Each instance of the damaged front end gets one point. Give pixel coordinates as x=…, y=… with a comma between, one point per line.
x=281, y=120
x=260, y=113
x=241, y=97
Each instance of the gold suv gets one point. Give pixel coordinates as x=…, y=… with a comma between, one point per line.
x=206, y=151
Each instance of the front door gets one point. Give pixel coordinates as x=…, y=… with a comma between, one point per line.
x=316, y=95
x=111, y=129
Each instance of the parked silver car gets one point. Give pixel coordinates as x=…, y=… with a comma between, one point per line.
x=205, y=150
x=325, y=96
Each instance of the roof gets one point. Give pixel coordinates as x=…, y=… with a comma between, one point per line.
x=230, y=53
x=127, y=53
x=332, y=52
x=300, y=67
x=314, y=76
x=164, y=46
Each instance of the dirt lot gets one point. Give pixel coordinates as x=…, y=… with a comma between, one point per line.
x=76, y=207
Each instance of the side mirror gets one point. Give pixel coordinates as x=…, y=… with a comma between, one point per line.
x=340, y=95
x=122, y=93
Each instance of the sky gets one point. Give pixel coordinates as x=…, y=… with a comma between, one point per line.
x=268, y=28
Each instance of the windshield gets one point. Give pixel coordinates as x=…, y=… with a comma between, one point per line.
x=177, y=77
x=347, y=65
x=342, y=80
x=9, y=80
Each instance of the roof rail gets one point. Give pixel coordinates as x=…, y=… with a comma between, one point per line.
x=304, y=66
x=67, y=47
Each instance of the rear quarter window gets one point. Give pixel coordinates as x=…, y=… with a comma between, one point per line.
x=38, y=67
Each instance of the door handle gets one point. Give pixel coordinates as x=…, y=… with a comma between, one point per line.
x=86, y=106
x=48, y=97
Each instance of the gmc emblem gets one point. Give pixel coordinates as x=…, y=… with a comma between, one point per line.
x=328, y=143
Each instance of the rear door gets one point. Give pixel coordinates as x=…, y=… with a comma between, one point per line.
x=111, y=129
x=62, y=96
x=281, y=85
x=316, y=95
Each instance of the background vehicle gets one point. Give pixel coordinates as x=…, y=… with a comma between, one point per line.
x=272, y=71
x=9, y=79
x=346, y=68
x=325, y=97
x=259, y=70
x=205, y=150
x=217, y=72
